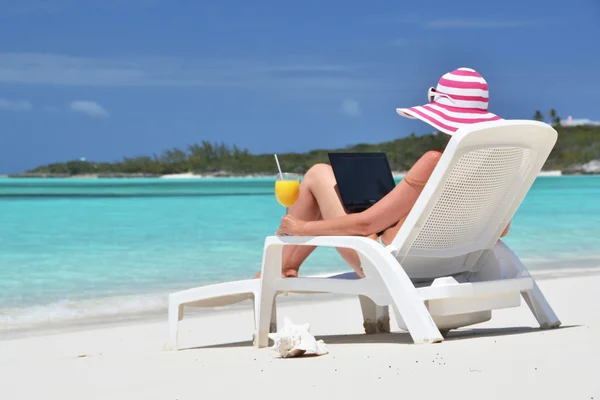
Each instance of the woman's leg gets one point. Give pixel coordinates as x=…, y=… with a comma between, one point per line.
x=319, y=199
x=307, y=209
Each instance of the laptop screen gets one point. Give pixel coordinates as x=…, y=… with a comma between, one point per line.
x=363, y=178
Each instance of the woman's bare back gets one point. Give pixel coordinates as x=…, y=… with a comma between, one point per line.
x=412, y=185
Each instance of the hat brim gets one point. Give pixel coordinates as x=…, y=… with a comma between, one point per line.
x=447, y=119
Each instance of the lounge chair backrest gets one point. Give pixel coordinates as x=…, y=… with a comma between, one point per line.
x=481, y=179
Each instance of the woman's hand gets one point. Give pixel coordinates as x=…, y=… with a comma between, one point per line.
x=291, y=226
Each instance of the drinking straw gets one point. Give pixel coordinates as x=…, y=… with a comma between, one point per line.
x=278, y=166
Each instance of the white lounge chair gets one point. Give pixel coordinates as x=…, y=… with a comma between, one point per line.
x=446, y=268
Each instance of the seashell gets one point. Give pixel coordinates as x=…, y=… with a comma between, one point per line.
x=296, y=340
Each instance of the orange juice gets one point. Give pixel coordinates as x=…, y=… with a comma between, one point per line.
x=287, y=192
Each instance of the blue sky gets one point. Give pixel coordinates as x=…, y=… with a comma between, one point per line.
x=103, y=79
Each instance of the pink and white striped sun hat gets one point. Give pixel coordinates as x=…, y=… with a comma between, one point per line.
x=460, y=98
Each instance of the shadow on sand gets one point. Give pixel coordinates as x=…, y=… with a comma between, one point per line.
x=404, y=337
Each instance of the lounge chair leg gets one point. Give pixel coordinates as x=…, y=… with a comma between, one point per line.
x=408, y=304
x=271, y=271
x=265, y=325
x=540, y=308
x=255, y=309
x=175, y=315
x=383, y=319
x=376, y=318
x=273, y=324
x=369, y=312
x=410, y=308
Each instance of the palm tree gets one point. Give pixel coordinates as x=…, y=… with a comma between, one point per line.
x=538, y=116
x=557, y=120
x=554, y=117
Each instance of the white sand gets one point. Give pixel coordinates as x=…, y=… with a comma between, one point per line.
x=506, y=358
x=550, y=173
x=186, y=175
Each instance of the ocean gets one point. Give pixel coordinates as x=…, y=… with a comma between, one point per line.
x=82, y=249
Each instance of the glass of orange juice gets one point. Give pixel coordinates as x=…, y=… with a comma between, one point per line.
x=287, y=189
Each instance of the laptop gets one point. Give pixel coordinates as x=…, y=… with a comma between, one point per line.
x=363, y=178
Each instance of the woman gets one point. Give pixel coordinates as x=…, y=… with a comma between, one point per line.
x=460, y=98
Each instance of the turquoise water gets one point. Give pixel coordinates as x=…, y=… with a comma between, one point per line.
x=75, y=249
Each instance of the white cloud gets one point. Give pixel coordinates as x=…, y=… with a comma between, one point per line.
x=18, y=105
x=351, y=108
x=463, y=23
x=67, y=70
x=89, y=108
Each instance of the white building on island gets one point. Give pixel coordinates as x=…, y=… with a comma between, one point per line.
x=570, y=121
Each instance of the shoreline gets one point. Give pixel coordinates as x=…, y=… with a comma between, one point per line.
x=159, y=311
x=189, y=175
x=395, y=174
x=216, y=175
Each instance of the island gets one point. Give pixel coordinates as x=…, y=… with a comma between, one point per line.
x=577, y=151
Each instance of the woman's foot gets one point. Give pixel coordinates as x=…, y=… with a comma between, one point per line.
x=289, y=273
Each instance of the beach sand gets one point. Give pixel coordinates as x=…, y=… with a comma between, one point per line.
x=505, y=358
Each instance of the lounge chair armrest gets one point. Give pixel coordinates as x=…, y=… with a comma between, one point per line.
x=358, y=243
x=372, y=254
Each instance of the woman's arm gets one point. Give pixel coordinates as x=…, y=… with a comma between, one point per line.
x=348, y=225
x=385, y=213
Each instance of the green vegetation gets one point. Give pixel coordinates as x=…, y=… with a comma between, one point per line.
x=211, y=158
x=554, y=119
x=538, y=116
x=576, y=145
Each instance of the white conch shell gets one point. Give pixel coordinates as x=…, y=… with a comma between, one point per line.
x=295, y=340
